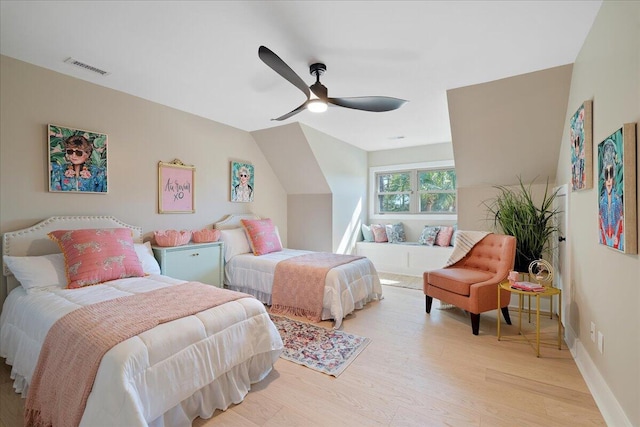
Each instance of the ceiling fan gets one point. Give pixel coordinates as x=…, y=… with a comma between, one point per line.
x=319, y=103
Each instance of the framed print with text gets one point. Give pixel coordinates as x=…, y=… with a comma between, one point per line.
x=176, y=187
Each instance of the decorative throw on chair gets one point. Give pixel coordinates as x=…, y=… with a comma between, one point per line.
x=465, y=240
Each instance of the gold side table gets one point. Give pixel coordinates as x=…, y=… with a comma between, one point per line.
x=548, y=292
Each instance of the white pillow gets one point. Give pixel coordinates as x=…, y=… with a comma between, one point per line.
x=36, y=273
x=145, y=255
x=235, y=242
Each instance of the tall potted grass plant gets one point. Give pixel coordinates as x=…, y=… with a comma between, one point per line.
x=514, y=212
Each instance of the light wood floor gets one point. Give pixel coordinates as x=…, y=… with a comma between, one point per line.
x=419, y=370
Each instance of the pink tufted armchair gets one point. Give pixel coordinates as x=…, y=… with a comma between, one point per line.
x=472, y=283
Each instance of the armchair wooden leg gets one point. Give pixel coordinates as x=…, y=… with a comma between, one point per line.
x=475, y=323
x=429, y=301
x=505, y=313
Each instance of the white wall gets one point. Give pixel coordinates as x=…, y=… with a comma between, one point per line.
x=605, y=285
x=424, y=153
x=140, y=134
x=325, y=179
x=345, y=169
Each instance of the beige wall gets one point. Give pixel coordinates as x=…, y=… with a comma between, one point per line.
x=472, y=204
x=505, y=130
x=140, y=133
x=309, y=217
x=605, y=285
x=509, y=128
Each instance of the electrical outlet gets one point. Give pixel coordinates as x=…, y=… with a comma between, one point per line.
x=600, y=342
x=593, y=332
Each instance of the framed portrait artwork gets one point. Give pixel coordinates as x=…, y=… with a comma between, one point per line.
x=581, y=140
x=176, y=187
x=617, y=226
x=242, y=182
x=77, y=160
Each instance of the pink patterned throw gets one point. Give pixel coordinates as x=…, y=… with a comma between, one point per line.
x=298, y=283
x=75, y=344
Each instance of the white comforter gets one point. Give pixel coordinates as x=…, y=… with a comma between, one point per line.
x=347, y=287
x=166, y=376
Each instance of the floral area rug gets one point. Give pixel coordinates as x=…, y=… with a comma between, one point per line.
x=325, y=350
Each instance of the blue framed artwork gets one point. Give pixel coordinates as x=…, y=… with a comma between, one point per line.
x=581, y=140
x=617, y=226
x=77, y=160
x=242, y=182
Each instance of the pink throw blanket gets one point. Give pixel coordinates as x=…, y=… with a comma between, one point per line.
x=298, y=283
x=75, y=344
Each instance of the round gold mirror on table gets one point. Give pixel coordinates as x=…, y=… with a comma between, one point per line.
x=542, y=271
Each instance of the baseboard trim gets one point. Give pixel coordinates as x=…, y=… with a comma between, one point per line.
x=611, y=410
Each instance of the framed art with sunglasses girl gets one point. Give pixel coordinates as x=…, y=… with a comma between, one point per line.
x=77, y=160
x=617, y=223
x=241, y=182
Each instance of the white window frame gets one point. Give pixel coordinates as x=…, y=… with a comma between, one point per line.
x=441, y=164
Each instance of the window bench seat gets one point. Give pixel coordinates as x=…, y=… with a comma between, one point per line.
x=411, y=259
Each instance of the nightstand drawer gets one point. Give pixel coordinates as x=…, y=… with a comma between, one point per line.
x=200, y=262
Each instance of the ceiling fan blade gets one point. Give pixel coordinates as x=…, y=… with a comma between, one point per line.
x=280, y=67
x=291, y=113
x=369, y=103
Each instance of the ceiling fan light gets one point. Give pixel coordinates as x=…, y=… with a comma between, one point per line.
x=317, y=106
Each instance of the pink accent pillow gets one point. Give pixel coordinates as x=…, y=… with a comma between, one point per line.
x=94, y=256
x=262, y=235
x=444, y=236
x=379, y=233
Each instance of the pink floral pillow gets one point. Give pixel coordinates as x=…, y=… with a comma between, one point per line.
x=263, y=236
x=94, y=256
x=379, y=233
x=444, y=236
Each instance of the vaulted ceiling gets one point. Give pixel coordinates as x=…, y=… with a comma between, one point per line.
x=202, y=57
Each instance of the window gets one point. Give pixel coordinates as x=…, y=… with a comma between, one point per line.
x=428, y=189
x=437, y=191
x=394, y=192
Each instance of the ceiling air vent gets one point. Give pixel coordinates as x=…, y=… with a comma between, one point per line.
x=86, y=67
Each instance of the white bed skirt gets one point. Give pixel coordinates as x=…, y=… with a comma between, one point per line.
x=205, y=362
x=347, y=287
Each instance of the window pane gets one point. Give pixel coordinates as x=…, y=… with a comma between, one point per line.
x=438, y=203
x=437, y=180
x=393, y=203
x=393, y=182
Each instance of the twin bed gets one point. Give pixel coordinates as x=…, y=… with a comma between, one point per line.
x=165, y=376
x=176, y=371
x=347, y=287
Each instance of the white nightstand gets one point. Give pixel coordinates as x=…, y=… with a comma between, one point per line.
x=200, y=262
